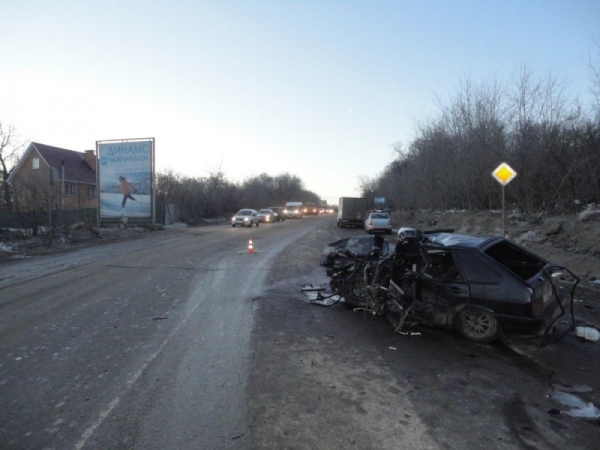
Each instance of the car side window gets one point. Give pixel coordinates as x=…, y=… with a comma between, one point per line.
x=441, y=266
x=476, y=269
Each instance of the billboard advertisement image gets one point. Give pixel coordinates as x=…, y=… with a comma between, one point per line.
x=125, y=179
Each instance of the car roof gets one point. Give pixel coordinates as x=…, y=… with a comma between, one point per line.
x=451, y=240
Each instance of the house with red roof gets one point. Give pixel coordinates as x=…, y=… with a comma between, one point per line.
x=74, y=175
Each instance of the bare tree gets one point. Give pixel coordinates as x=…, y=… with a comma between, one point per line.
x=34, y=200
x=11, y=146
x=533, y=125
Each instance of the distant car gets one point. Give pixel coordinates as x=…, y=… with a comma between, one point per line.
x=310, y=208
x=278, y=210
x=378, y=221
x=245, y=218
x=293, y=210
x=267, y=216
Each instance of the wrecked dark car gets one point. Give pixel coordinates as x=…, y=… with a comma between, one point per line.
x=345, y=260
x=486, y=288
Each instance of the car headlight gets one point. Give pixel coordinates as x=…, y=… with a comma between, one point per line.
x=246, y=219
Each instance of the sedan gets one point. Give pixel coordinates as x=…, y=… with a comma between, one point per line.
x=245, y=218
x=267, y=216
x=378, y=221
x=278, y=210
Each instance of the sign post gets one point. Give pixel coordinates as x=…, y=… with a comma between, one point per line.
x=504, y=175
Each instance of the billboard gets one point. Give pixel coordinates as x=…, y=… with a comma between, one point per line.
x=125, y=179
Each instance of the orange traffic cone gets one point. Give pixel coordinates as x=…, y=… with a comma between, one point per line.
x=250, y=246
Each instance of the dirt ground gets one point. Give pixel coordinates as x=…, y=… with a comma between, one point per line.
x=16, y=244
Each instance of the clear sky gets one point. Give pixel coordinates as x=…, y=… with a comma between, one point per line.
x=321, y=89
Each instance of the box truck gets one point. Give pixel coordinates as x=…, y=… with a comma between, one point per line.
x=351, y=212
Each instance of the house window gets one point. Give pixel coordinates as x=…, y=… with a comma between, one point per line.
x=35, y=163
x=69, y=188
x=91, y=191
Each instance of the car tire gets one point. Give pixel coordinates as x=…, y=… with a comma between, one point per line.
x=354, y=292
x=477, y=325
x=257, y=224
x=233, y=225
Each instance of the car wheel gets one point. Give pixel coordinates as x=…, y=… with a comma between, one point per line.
x=354, y=292
x=476, y=325
x=257, y=224
x=233, y=225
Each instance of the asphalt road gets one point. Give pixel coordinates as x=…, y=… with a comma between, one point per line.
x=184, y=340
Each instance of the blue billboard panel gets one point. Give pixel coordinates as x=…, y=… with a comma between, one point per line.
x=125, y=179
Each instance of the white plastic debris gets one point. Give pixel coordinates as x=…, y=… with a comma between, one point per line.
x=588, y=333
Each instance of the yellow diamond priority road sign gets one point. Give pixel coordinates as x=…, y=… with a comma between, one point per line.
x=504, y=174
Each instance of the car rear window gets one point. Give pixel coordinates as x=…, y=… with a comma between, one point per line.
x=244, y=212
x=379, y=216
x=518, y=261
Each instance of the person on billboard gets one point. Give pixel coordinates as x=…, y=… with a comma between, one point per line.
x=126, y=189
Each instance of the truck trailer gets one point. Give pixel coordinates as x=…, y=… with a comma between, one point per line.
x=351, y=212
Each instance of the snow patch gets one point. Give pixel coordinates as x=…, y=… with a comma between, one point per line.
x=6, y=247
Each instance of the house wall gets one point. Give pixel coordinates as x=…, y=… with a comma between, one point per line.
x=27, y=165
x=78, y=200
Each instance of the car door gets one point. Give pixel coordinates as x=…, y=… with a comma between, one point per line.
x=485, y=280
x=442, y=276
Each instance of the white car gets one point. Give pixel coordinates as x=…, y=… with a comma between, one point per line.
x=245, y=218
x=378, y=221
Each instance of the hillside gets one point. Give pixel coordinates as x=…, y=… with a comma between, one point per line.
x=569, y=240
